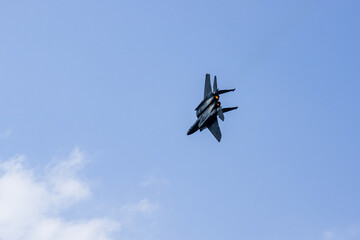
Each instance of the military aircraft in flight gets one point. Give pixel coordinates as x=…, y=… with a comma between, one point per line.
x=209, y=109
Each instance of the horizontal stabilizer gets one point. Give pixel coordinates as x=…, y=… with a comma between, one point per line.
x=229, y=109
x=225, y=91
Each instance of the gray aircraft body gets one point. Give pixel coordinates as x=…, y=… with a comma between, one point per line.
x=209, y=109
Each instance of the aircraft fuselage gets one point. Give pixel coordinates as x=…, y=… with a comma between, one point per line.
x=206, y=103
x=207, y=116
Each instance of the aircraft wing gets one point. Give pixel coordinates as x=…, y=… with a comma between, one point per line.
x=215, y=130
x=207, y=89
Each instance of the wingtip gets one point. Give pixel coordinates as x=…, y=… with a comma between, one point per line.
x=219, y=137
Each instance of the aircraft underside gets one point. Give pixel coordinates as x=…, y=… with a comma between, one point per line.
x=209, y=109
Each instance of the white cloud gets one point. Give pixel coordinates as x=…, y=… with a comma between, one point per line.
x=67, y=188
x=6, y=134
x=31, y=203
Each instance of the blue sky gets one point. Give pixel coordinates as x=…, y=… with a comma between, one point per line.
x=100, y=95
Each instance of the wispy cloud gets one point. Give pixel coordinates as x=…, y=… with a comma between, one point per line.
x=144, y=206
x=327, y=235
x=138, y=218
x=350, y=233
x=152, y=181
x=6, y=134
x=31, y=203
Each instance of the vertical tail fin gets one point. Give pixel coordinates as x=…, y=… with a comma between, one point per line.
x=207, y=89
x=215, y=88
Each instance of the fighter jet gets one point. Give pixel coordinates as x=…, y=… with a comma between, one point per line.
x=209, y=109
